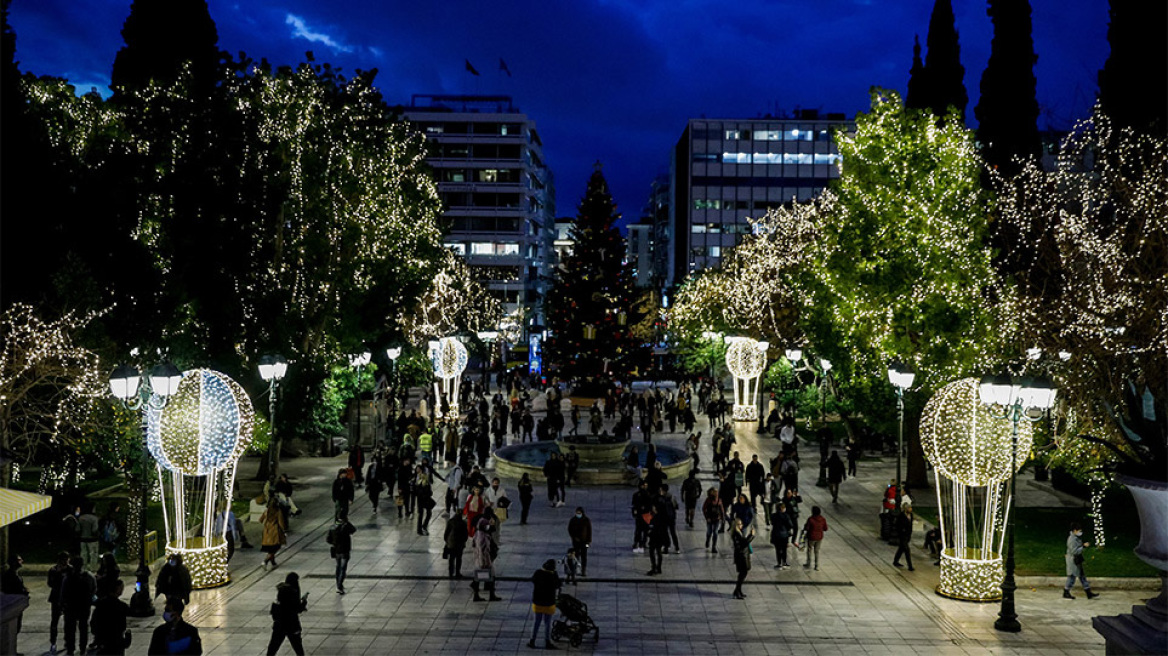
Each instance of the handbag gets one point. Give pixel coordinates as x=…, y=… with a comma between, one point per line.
x=398, y=500
x=504, y=503
x=501, y=514
x=484, y=575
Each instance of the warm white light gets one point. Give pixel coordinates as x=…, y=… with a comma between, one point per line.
x=273, y=367
x=996, y=390
x=165, y=379
x=450, y=358
x=488, y=335
x=1064, y=355
x=1033, y=353
x=393, y=353
x=968, y=441
x=825, y=365
x=900, y=376
x=794, y=355
x=360, y=359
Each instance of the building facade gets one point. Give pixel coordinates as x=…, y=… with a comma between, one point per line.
x=497, y=191
x=638, y=253
x=725, y=172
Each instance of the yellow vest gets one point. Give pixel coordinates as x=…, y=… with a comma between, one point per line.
x=424, y=442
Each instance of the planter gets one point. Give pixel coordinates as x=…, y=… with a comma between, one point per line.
x=1143, y=631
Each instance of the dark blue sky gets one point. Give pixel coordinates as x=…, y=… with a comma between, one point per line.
x=609, y=80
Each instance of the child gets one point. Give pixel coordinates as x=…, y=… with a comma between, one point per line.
x=571, y=566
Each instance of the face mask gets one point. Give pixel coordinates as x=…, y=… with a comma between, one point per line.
x=579, y=514
x=1078, y=533
x=168, y=617
x=76, y=513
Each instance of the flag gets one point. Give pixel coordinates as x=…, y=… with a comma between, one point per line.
x=471, y=69
x=503, y=67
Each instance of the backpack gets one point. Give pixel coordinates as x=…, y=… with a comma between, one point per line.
x=109, y=531
x=331, y=537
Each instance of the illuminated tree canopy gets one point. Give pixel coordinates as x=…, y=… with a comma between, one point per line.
x=454, y=303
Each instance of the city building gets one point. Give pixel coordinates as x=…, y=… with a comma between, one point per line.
x=638, y=253
x=563, y=241
x=724, y=172
x=497, y=192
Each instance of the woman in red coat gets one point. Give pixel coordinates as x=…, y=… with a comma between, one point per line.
x=474, y=507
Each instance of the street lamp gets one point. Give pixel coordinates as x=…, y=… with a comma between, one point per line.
x=901, y=376
x=393, y=353
x=1016, y=398
x=488, y=337
x=137, y=393
x=272, y=370
x=357, y=361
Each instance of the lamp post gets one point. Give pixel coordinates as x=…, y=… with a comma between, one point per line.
x=901, y=376
x=136, y=393
x=358, y=362
x=1016, y=397
x=763, y=347
x=488, y=337
x=272, y=370
x=393, y=353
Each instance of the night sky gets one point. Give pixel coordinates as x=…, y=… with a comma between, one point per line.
x=608, y=80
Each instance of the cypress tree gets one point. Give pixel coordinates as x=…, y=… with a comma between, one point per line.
x=1133, y=85
x=917, y=94
x=1007, y=112
x=945, y=74
x=161, y=36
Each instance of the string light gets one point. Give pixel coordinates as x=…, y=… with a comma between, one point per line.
x=746, y=359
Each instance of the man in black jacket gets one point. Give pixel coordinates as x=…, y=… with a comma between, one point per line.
x=340, y=536
x=455, y=538
x=77, y=597
x=175, y=636
x=580, y=531
x=109, y=619
x=904, y=526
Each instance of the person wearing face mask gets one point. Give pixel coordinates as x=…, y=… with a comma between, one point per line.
x=580, y=530
x=174, y=580
x=1074, y=558
x=175, y=636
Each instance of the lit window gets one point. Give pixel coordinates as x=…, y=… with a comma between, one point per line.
x=482, y=248
x=714, y=228
x=704, y=204
x=735, y=158
x=698, y=228
x=489, y=175
x=434, y=129
x=507, y=248
x=733, y=135
x=715, y=251
x=768, y=158
x=768, y=135
x=460, y=249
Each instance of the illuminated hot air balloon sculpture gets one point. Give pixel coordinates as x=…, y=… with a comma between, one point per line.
x=449, y=357
x=970, y=448
x=746, y=359
x=197, y=438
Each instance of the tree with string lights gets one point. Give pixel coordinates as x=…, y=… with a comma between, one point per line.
x=593, y=305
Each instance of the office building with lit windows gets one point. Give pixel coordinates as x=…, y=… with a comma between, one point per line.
x=498, y=194
x=724, y=172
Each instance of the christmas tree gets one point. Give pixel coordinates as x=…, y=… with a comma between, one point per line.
x=592, y=306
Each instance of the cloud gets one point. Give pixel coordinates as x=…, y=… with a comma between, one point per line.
x=301, y=30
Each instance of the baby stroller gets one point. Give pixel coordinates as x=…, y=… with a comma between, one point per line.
x=576, y=621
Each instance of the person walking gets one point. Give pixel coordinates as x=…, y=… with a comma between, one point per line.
x=374, y=485
x=56, y=577
x=526, y=494
x=340, y=536
x=405, y=487
x=454, y=540
x=108, y=625
x=815, y=527
x=454, y=482
x=781, y=529
x=667, y=507
x=1074, y=558
x=424, y=498
x=658, y=540
x=691, y=492
x=904, y=527
x=77, y=592
x=343, y=493
x=571, y=464
x=107, y=572
x=175, y=636
x=286, y=615
x=174, y=580
x=275, y=533
x=12, y=583
x=714, y=513
x=756, y=481
x=473, y=509
x=580, y=532
x=484, y=560
x=741, y=509
x=741, y=536
x=836, y=474
x=545, y=590
x=853, y=453
x=88, y=533
x=224, y=524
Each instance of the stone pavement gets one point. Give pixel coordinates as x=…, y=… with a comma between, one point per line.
x=399, y=601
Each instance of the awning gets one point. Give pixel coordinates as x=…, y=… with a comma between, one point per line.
x=16, y=505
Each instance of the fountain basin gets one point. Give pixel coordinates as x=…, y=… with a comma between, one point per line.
x=594, y=449
x=529, y=458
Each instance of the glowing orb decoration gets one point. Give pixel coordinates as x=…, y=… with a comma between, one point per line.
x=969, y=444
x=449, y=358
x=205, y=426
x=966, y=440
x=745, y=358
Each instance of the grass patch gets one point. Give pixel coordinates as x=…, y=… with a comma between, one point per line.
x=1041, y=541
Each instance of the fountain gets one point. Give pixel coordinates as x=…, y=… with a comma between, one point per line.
x=605, y=466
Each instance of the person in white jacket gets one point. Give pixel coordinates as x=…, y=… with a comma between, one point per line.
x=493, y=495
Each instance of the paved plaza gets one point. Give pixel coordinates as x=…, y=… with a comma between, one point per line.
x=399, y=600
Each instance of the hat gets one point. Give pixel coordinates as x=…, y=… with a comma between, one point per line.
x=549, y=564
